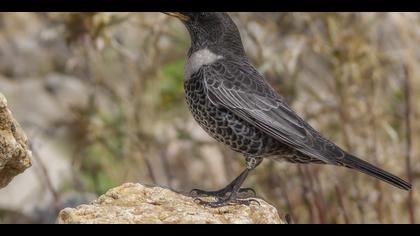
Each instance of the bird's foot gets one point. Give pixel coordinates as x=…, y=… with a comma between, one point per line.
x=224, y=197
x=243, y=193
x=230, y=194
x=220, y=202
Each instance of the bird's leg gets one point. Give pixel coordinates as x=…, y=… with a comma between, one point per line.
x=233, y=191
x=242, y=192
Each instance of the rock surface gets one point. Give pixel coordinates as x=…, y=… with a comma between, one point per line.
x=15, y=156
x=139, y=204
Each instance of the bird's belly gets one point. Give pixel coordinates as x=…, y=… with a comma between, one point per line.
x=226, y=127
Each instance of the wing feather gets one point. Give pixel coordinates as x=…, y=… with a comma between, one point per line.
x=238, y=87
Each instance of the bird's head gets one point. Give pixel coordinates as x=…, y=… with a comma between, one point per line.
x=211, y=30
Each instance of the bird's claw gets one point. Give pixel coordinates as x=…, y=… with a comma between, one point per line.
x=224, y=202
x=243, y=193
x=243, y=197
x=216, y=204
x=202, y=193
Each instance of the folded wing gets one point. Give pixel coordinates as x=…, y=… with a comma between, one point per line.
x=238, y=87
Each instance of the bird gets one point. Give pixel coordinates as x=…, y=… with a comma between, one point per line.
x=236, y=105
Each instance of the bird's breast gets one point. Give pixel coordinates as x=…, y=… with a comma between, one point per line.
x=198, y=59
x=225, y=126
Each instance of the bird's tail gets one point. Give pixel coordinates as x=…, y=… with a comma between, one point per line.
x=369, y=169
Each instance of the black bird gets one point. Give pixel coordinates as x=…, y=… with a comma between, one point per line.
x=235, y=105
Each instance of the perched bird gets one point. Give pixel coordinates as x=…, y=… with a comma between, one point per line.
x=235, y=105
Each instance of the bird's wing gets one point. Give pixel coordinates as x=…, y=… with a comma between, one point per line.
x=238, y=87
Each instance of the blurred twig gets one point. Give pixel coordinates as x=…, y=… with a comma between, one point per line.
x=46, y=178
x=408, y=137
x=305, y=194
x=370, y=104
x=317, y=196
x=341, y=204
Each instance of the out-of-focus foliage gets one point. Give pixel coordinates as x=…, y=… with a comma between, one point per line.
x=343, y=72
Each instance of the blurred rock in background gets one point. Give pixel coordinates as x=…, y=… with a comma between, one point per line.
x=39, y=112
x=100, y=96
x=15, y=155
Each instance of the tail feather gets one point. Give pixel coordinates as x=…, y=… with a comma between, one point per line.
x=369, y=169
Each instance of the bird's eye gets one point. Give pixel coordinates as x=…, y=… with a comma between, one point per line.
x=203, y=14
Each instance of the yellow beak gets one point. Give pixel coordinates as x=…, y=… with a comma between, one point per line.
x=178, y=15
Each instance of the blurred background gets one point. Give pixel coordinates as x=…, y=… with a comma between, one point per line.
x=100, y=96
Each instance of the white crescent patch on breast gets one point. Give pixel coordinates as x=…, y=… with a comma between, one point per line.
x=198, y=59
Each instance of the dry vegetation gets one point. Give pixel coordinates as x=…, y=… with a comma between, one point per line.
x=352, y=76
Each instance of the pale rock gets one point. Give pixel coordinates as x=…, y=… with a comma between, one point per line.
x=15, y=156
x=139, y=204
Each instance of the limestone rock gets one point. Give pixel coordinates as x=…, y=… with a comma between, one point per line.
x=139, y=204
x=15, y=155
